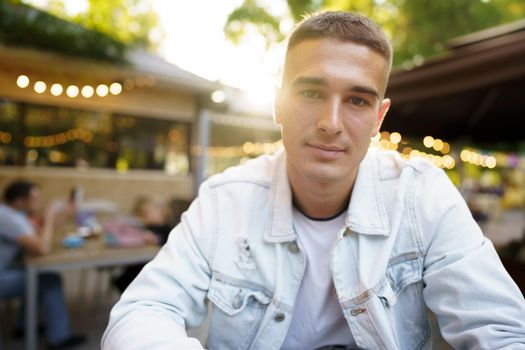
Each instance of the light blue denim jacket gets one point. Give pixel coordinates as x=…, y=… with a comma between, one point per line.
x=410, y=242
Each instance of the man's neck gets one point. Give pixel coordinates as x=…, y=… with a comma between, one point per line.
x=320, y=205
x=16, y=206
x=320, y=200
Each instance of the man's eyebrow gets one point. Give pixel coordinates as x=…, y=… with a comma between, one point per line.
x=323, y=82
x=364, y=90
x=310, y=81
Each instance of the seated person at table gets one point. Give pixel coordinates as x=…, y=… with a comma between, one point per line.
x=153, y=218
x=17, y=236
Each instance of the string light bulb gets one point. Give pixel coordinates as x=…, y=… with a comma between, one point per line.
x=22, y=81
x=102, y=90
x=72, y=91
x=40, y=87
x=56, y=89
x=115, y=88
x=87, y=91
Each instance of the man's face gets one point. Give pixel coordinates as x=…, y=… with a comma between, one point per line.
x=34, y=201
x=329, y=106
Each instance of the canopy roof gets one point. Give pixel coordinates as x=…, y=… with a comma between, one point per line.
x=477, y=90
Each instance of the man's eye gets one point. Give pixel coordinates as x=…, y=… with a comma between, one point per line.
x=310, y=94
x=358, y=101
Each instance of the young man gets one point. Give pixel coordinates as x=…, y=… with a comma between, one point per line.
x=17, y=236
x=326, y=244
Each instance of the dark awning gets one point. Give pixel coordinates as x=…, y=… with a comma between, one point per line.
x=475, y=91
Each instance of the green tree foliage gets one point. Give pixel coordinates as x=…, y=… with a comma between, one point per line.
x=250, y=14
x=298, y=8
x=127, y=21
x=427, y=25
x=22, y=25
x=418, y=28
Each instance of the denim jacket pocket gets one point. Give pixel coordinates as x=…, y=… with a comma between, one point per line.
x=386, y=294
x=403, y=270
x=402, y=297
x=239, y=308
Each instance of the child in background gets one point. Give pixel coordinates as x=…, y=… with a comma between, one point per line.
x=153, y=218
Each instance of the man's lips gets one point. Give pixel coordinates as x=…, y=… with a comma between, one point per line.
x=331, y=148
x=326, y=150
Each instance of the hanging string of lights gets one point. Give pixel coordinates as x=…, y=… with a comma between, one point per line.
x=58, y=139
x=5, y=137
x=395, y=142
x=72, y=91
x=486, y=159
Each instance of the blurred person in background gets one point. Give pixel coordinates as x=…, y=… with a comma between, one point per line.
x=153, y=218
x=19, y=236
x=327, y=244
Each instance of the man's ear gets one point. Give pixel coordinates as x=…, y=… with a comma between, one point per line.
x=383, y=109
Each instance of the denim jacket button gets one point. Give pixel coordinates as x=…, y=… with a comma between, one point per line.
x=293, y=247
x=356, y=312
x=279, y=317
x=237, y=302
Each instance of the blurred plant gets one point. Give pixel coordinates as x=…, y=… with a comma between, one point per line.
x=23, y=25
x=128, y=21
x=418, y=28
x=250, y=14
x=428, y=25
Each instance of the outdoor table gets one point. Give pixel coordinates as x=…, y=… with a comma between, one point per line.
x=93, y=254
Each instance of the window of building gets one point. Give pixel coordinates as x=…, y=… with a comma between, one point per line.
x=36, y=135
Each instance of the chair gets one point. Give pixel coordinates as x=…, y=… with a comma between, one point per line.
x=8, y=314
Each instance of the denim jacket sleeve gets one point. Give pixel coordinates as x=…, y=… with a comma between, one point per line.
x=169, y=294
x=477, y=304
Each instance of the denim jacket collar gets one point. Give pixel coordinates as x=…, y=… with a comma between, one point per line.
x=366, y=210
x=279, y=226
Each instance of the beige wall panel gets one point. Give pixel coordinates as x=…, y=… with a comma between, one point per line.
x=122, y=189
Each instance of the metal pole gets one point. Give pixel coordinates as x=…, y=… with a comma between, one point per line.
x=202, y=143
x=31, y=307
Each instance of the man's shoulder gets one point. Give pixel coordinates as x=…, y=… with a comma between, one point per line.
x=9, y=214
x=14, y=223
x=391, y=164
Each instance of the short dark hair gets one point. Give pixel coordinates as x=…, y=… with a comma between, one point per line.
x=18, y=189
x=345, y=26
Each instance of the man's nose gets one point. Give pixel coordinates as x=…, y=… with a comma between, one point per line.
x=330, y=119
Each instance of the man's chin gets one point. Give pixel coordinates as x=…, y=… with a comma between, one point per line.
x=324, y=173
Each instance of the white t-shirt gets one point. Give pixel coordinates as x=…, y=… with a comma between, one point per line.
x=318, y=319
